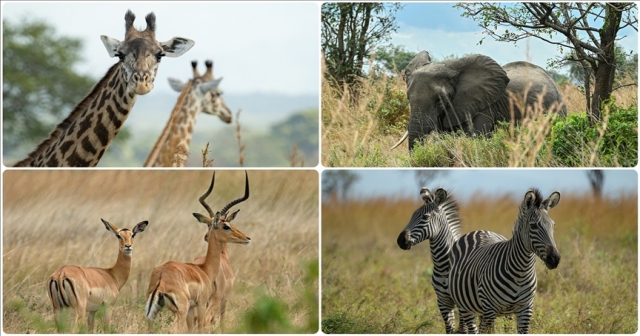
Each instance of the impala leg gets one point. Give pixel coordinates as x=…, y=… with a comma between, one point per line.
x=90, y=320
x=202, y=314
x=223, y=310
x=107, y=317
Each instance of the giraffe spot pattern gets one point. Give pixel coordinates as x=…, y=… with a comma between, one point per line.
x=88, y=147
x=102, y=133
x=75, y=160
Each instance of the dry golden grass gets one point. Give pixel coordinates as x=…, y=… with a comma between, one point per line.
x=52, y=218
x=370, y=285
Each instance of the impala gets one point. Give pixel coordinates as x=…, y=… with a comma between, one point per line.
x=185, y=288
x=86, y=289
x=223, y=284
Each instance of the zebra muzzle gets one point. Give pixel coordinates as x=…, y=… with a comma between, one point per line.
x=404, y=240
x=553, y=257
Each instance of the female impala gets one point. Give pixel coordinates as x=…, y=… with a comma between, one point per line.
x=185, y=286
x=87, y=289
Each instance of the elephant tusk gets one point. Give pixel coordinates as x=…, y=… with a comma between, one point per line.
x=404, y=137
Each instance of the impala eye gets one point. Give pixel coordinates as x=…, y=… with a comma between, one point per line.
x=226, y=227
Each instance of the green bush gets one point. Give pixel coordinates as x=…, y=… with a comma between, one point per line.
x=393, y=112
x=573, y=139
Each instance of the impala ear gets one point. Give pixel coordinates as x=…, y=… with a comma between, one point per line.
x=110, y=227
x=233, y=215
x=139, y=228
x=202, y=218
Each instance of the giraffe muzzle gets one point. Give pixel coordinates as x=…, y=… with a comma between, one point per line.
x=143, y=83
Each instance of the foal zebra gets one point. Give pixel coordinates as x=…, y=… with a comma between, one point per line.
x=437, y=220
x=500, y=278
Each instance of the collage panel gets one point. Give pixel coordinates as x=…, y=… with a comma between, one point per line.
x=168, y=84
x=479, y=84
x=132, y=246
x=402, y=248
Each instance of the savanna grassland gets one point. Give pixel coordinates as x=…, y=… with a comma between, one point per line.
x=52, y=218
x=370, y=285
x=359, y=129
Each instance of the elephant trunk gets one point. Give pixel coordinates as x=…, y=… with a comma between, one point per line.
x=420, y=124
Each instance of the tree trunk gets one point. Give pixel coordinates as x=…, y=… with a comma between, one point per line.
x=605, y=71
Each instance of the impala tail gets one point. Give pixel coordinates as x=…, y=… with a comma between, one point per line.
x=157, y=300
x=62, y=292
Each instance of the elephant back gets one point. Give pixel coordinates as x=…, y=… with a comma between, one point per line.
x=532, y=80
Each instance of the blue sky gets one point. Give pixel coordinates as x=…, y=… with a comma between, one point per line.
x=439, y=29
x=463, y=183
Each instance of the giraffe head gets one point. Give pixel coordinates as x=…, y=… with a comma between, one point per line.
x=140, y=52
x=207, y=91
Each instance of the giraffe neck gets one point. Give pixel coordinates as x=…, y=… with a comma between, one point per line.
x=81, y=139
x=177, y=134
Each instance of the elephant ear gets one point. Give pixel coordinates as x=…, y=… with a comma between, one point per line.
x=421, y=59
x=479, y=83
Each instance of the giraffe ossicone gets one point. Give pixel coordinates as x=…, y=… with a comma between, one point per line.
x=84, y=135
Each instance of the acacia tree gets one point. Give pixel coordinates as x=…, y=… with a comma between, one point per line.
x=589, y=30
x=350, y=31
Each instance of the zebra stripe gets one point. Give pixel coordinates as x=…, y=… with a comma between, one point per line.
x=498, y=279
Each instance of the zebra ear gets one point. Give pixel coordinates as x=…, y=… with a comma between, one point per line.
x=552, y=201
x=529, y=199
x=426, y=195
x=441, y=196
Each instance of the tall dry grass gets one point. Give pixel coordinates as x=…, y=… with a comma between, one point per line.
x=52, y=218
x=353, y=134
x=370, y=285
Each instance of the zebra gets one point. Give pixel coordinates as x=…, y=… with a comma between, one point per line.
x=500, y=279
x=439, y=221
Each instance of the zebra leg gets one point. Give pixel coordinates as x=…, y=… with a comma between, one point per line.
x=486, y=322
x=447, y=306
x=524, y=318
x=468, y=319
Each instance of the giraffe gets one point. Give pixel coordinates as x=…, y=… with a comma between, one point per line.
x=202, y=93
x=84, y=135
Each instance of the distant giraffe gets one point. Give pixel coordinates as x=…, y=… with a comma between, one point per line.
x=81, y=139
x=202, y=93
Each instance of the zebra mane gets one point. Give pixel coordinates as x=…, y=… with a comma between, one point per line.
x=452, y=211
x=538, y=201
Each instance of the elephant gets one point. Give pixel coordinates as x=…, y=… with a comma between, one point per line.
x=472, y=94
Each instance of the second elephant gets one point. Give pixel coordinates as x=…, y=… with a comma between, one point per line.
x=473, y=93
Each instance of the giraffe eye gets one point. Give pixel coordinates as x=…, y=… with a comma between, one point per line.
x=120, y=55
x=159, y=56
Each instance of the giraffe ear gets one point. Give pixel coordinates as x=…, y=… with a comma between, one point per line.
x=176, y=84
x=210, y=86
x=177, y=46
x=111, y=44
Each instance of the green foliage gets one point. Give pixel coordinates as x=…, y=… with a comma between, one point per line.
x=349, y=30
x=271, y=315
x=39, y=83
x=300, y=129
x=394, y=58
x=393, y=114
x=618, y=145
